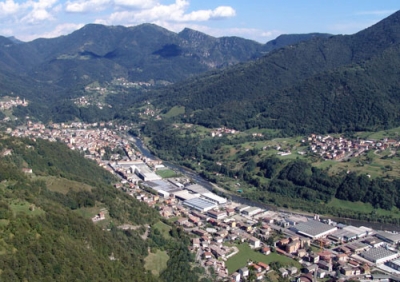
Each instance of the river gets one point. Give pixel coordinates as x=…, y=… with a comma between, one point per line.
x=235, y=198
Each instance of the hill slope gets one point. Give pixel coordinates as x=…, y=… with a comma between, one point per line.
x=288, y=85
x=46, y=71
x=44, y=236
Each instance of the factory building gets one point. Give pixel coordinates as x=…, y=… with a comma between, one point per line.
x=214, y=198
x=392, y=238
x=200, y=204
x=314, y=229
x=379, y=255
x=163, y=188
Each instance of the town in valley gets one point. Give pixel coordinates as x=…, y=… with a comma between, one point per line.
x=314, y=248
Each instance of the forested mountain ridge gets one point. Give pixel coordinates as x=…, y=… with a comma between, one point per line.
x=139, y=53
x=46, y=233
x=51, y=73
x=266, y=93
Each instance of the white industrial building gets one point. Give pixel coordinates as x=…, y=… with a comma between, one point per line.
x=314, y=229
x=379, y=255
x=251, y=211
x=214, y=198
x=176, y=183
x=348, y=233
x=395, y=264
x=200, y=204
x=144, y=172
x=163, y=188
x=184, y=195
x=196, y=188
x=217, y=214
x=392, y=238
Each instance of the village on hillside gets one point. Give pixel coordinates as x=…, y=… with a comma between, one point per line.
x=338, y=148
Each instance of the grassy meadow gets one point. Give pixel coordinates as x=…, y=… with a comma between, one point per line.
x=246, y=253
x=156, y=262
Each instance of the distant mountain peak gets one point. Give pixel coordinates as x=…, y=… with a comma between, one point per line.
x=5, y=41
x=15, y=40
x=188, y=33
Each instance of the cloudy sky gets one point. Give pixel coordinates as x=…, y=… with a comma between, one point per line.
x=260, y=20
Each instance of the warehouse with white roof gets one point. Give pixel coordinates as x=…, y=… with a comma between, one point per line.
x=200, y=204
x=163, y=188
x=314, y=229
x=392, y=238
x=379, y=255
x=214, y=198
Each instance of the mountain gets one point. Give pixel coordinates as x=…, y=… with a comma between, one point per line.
x=290, y=39
x=325, y=84
x=15, y=40
x=141, y=53
x=50, y=70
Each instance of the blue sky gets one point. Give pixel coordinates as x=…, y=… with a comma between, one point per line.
x=260, y=20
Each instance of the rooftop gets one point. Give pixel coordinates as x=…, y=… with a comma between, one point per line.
x=387, y=236
x=356, y=230
x=196, y=188
x=342, y=233
x=162, y=185
x=214, y=197
x=313, y=228
x=396, y=261
x=375, y=254
x=199, y=204
x=185, y=195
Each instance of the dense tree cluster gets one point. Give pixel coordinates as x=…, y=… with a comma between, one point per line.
x=44, y=238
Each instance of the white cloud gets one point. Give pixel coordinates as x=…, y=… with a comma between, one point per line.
x=26, y=11
x=43, y=4
x=83, y=6
x=136, y=4
x=176, y=12
x=9, y=7
x=38, y=11
x=37, y=15
x=28, y=19
x=223, y=12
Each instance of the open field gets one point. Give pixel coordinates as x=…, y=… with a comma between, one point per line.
x=4, y=222
x=163, y=228
x=390, y=133
x=24, y=207
x=156, y=262
x=167, y=173
x=63, y=185
x=362, y=207
x=245, y=252
x=374, y=163
x=175, y=111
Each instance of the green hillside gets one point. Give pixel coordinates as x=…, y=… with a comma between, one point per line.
x=335, y=84
x=46, y=231
x=50, y=73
